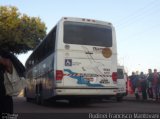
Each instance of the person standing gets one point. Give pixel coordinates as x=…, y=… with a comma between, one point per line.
x=143, y=85
x=7, y=61
x=149, y=83
x=135, y=84
x=155, y=87
x=6, y=102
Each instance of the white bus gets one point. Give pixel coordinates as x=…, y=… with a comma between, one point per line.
x=77, y=60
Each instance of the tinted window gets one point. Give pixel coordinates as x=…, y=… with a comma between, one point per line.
x=120, y=74
x=43, y=50
x=87, y=34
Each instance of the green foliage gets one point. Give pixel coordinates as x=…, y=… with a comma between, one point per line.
x=19, y=33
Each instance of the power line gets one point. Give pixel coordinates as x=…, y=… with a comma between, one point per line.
x=138, y=20
x=148, y=29
x=135, y=13
x=140, y=13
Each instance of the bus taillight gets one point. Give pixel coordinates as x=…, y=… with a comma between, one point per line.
x=59, y=74
x=114, y=76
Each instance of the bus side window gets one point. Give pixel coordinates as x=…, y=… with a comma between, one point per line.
x=50, y=42
x=44, y=50
x=48, y=46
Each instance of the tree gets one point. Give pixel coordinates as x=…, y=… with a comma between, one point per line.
x=19, y=33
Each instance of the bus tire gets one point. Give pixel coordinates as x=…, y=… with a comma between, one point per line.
x=39, y=95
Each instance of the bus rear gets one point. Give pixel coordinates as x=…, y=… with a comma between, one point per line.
x=86, y=58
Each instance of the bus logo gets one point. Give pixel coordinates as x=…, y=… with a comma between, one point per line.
x=107, y=52
x=68, y=62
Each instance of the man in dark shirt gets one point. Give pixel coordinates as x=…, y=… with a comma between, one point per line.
x=149, y=81
x=6, y=102
x=8, y=59
x=135, y=84
x=2, y=88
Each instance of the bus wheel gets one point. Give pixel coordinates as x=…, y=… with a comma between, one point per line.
x=39, y=95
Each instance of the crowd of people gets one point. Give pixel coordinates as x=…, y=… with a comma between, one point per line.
x=148, y=85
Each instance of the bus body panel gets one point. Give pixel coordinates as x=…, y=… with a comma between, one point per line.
x=41, y=74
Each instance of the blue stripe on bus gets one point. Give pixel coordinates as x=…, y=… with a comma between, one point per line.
x=81, y=80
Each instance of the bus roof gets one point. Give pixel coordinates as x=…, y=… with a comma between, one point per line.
x=85, y=20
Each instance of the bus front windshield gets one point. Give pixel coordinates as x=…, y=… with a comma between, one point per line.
x=87, y=34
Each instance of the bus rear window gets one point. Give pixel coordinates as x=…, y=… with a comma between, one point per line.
x=87, y=34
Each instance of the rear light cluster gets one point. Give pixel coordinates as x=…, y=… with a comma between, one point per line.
x=114, y=76
x=59, y=74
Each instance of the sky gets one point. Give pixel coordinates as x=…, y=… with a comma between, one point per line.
x=137, y=25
